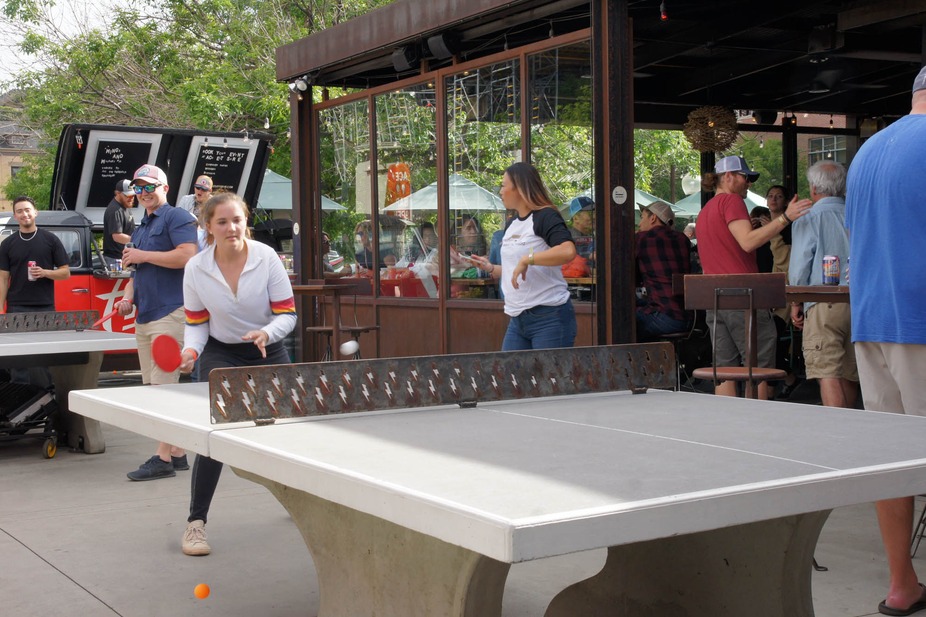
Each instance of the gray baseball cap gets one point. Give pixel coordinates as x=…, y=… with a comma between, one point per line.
x=920, y=82
x=737, y=164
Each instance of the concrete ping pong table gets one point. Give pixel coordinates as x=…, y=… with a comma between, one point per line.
x=63, y=342
x=709, y=506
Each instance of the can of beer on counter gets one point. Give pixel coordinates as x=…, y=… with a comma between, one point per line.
x=29, y=266
x=830, y=270
x=117, y=266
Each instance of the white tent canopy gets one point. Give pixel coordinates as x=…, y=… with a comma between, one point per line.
x=691, y=205
x=276, y=193
x=464, y=195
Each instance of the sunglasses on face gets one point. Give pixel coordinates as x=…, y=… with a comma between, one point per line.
x=200, y=188
x=146, y=188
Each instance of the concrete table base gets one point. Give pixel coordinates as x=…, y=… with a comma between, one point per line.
x=369, y=566
x=759, y=569
x=83, y=433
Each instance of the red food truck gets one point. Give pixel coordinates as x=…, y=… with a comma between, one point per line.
x=91, y=160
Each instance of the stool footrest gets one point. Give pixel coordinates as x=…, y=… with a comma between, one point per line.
x=739, y=373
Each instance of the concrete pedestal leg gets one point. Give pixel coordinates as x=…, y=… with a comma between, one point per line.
x=369, y=566
x=83, y=433
x=760, y=569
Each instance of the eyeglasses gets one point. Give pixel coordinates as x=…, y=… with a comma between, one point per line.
x=145, y=188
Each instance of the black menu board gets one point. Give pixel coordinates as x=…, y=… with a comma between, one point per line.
x=115, y=160
x=224, y=164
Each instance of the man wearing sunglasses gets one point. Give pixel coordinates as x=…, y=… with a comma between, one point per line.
x=202, y=191
x=163, y=243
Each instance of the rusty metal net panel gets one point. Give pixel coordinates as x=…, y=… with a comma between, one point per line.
x=264, y=393
x=47, y=321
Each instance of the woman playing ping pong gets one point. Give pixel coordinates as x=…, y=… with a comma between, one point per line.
x=239, y=306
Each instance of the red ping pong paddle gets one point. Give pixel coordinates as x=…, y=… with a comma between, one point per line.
x=109, y=315
x=165, y=350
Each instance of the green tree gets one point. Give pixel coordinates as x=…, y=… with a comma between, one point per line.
x=661, y=158
x=205, y=64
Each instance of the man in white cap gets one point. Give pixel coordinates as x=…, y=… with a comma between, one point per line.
x=884, y=214
x=727, y=243
x=164, y=242
x=118, y=223
x=202, y=191
x=662, y=252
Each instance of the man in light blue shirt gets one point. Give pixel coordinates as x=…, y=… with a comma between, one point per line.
x=827, y=341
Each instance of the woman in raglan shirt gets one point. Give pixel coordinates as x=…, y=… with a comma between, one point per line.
x=535, y=246
x=239, y=306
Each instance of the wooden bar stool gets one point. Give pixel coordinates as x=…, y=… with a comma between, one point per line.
x=749, y=293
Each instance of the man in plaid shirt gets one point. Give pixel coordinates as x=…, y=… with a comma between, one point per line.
x=661, y=252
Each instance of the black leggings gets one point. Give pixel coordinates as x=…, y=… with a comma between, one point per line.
x=206, y=471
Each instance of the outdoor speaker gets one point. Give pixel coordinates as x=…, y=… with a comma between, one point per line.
x=444, y=46
x=405, y=58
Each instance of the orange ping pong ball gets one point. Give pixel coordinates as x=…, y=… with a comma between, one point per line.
x=201, y=591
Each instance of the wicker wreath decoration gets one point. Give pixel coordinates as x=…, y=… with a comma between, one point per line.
x=711, y=129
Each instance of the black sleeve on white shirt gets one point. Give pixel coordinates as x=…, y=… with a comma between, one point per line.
x=549, y=225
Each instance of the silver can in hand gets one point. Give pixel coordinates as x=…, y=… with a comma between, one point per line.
x=131, y=267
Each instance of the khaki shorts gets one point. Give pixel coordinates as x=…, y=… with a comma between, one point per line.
x=892, y=377
x=828, y=351
x=729, y=339
x=171, y=324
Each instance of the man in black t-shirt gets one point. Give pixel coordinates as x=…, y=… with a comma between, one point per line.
x=118, y=223
x=23, y=288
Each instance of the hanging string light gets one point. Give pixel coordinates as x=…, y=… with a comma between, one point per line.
x=831, y=121
x=79, y=139
x=663, y=15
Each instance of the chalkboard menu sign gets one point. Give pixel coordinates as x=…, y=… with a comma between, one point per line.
x=224, y=164
x=115, y=160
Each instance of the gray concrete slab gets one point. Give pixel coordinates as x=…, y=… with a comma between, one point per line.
x=77, y=536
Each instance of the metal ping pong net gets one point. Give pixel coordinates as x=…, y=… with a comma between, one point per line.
x=264, y=393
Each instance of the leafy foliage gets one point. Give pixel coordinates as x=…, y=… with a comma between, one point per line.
x=206, y=64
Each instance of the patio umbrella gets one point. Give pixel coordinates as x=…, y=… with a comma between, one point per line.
x=464, y=195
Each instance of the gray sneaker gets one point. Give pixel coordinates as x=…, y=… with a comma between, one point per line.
x=194, y=539
x=152, y=469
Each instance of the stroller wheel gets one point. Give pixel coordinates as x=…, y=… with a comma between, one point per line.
x=51, y=448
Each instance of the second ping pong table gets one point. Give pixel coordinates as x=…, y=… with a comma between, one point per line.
x=708, y=506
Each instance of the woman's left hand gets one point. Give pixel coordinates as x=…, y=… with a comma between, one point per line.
x=519, y=271
x=260, y=339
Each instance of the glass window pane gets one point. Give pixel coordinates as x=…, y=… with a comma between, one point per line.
x=484, y=138
x=560, y=107
x=344, y=156
x=406, y=129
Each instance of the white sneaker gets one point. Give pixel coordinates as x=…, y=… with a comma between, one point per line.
x=194, y=539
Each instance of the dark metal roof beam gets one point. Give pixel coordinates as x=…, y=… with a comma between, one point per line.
x=876, y=13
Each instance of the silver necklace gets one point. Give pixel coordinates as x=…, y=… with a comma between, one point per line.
x=30, y=239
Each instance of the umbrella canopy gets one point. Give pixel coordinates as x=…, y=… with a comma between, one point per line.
x=276, y=193
x=691, y=205
x=464, y=195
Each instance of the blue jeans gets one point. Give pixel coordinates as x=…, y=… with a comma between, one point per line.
x=650, y=326
x=542, y=327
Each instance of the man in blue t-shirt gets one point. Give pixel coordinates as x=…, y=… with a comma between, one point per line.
x=884, y=214
x=164, y=242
